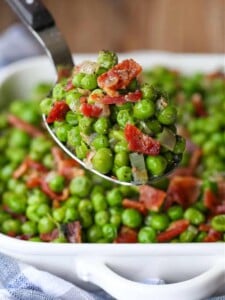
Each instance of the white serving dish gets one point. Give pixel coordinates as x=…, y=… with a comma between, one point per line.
x=193, y=271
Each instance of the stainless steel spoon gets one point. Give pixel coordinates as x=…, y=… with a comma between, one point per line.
x=42, y=25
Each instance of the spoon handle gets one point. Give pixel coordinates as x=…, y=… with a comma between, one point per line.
x=40, y=22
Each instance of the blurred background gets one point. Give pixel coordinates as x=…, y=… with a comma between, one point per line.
x=124, y=25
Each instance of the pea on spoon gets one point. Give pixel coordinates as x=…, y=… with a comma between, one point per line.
x=139, y=145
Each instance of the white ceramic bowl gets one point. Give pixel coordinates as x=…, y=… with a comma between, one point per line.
x=192, y=271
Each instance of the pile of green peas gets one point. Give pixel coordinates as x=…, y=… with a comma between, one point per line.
x=95, y=203
x=104, y=136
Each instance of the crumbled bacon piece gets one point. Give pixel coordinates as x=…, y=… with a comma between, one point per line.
x=127, y=203
x=69, y=86
x=151, y=198
x=28, y=128
x=182, y=190
x=52, y=195
x=175, y=229
x=90, y=110
x=210, y=200
x=213, y=236
x=50, y=236
x=130, y=97
x=119, y=76
x=199, y=106
x=140, y=142
x=126, y=235
x=58, y=112
x=27, y=164
x=73, y=232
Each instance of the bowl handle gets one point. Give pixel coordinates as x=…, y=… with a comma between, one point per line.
x=197, y=288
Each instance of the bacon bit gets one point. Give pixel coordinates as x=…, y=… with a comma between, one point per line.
x=175, y=229
x=50, y=236
x=220, y=209
x=204, y=227
x=69, y=86
x=26, y=164
x=63, y=72
x=58, y=112
x=215, y=75
x=195, y=160
x=140, y=142
x=130, y=97
x=90, y=110
x=36, y=165
x=210, y=200
x=23, y=237
x=182, y=190
x=119, y=76
x=127, y=203
x=54, y=196
x=126, y=235
x=11, y=234
x=33, y=181
x=21, y=170
x=151, y=198
x=28, y=128
x=213, y=236
x=57, y=154
x=221, y=190
x=199, y=106
x=73, y=232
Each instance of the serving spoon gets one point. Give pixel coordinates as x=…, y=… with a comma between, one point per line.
x=41, y=24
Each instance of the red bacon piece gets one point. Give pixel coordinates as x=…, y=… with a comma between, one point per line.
x=130, y=97
x=73, y=232
x=213, y=236
x=58, y=112
x=140, y=142
x=127, y=203
x=69, y=86
x=50, y=236
x=28, y=128
x=182, y=190
x=90, y=110
x=126, y=235
x=175, y=229
x=199, y=106
x=120, y=75
x=151, y=198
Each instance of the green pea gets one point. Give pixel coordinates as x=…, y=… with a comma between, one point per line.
x=180, y=145
x=41, y=145
x=168, y=115
x=95, y=96
x=133, y=85
x=71, y=214
x=115, y=220
x=159, y=221
x=148, y=92
x=131, y=218
x=107, y=59
x=72, y=201
x=85, y=205
x=58, y=92
x=11, y=227
x=76, y=80
x=94, y=233
x=156, y=165
x=86, y=219
x=188, y=235
x=99, y=202
x=218, y=223
x=62, y=131
x=103, y=160
x=72, y=118
x=147, y=235
x=100, y=141
x=114, y=197
x=200, y=237
x=124, y=117
x=73, y=100
x=16, y=155
x=175, y=212
x=73, y=137
x=45, y=225
x=19, y=138
x=101, y=217
x=48, y=161
x=60, y=239
x=35, y=239
x=41, y=90
x=89, y=82
x=109, y=232
x=121, y=159
x=15, y=203
x=194, y=216
x=154, y=126
x=144, y=109
x=58, y=214
x=124, y=174
x=37, y=197
x=6, y=172
x=101, y=126
x=29, y=227
x=98, y=188
x=85, y=125
x=80, y=186
x=4, y=216
x=46, y=106
x=57, y=183
x=121, y=146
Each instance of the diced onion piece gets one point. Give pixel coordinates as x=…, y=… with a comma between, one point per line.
x=139, y=171
x=167, y=139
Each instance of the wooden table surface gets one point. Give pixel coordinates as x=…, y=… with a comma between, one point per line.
x=123, y=25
